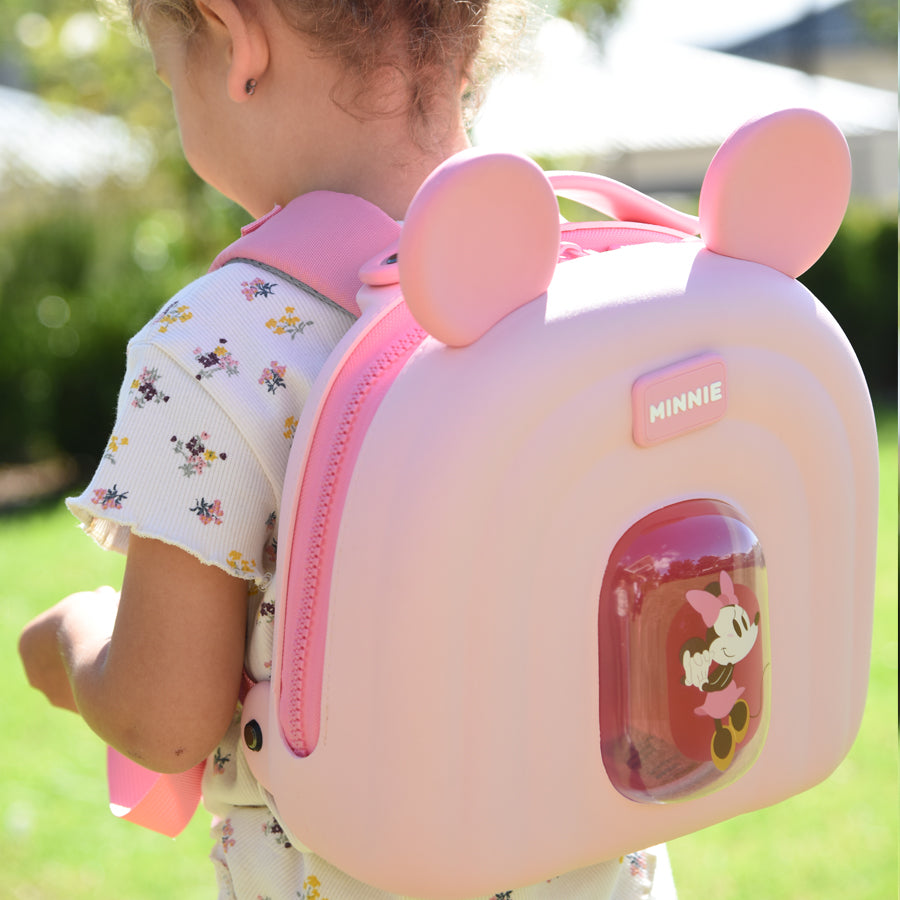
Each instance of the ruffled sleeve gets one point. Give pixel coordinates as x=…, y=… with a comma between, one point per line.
x=177, y=469
x=214, y=387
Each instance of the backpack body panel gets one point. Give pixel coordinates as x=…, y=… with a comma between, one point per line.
x=451, y=599
x=592, y=566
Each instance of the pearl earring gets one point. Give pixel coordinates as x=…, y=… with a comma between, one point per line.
x=250, y=86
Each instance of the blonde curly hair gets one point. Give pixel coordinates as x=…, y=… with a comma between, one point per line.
x=437, y=45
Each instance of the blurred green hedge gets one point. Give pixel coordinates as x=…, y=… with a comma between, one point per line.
x=76, y=281
x=857, y=281
x=79, y=278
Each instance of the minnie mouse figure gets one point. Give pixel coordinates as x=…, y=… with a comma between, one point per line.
x=709, y=665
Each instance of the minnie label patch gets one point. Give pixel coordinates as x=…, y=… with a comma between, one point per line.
x=679, y=399
x=683, y=644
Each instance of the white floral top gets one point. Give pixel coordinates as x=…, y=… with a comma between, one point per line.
x=206, y=415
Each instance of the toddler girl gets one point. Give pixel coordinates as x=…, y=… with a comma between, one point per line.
x=273, y=98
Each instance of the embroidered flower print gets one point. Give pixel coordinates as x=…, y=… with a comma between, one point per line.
x=172, y=315
x=272, y=828
x=273, y=377
x=146, y=390
x=290, y=427
x=239, y=565
x=217, y=360
x=257, y=288
x=109, y=498
x=227, y=835
x=198, y=457
x=311, y=889
x=113, y=447
x=270, y=548
x=220, y=760
x=288, y=323
x=266, y=612
x=270, y=552
x=208, y=511
x=637, y=865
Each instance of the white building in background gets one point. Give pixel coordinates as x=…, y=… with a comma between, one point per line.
x=836, y=38
x=66, y=147
x=651, y=104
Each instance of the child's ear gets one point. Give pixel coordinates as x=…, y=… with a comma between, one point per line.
x=246, y=39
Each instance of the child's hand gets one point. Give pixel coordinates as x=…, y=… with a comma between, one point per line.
x=696, y=668
x=39, y=644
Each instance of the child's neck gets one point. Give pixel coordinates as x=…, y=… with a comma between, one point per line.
x=392, y=190
x=319, y=134
x=387, y=171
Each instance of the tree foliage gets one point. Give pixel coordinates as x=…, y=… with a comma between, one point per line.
x=81, y=271
x=592, y=15
x=82, y=54
x=87, y=55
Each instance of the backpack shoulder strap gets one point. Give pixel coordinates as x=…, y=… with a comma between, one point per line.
x=322, y=239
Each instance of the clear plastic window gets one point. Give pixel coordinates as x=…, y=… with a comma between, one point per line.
x=684, y=649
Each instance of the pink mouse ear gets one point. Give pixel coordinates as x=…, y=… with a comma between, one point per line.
x=480, y=239
x=727, y=587
x=708, y=605
x=777, y=190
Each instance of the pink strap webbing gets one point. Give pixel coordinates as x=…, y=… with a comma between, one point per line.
x=321, y=238
x=163, y=803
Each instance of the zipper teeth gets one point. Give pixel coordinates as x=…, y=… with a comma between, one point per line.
x=312, y=573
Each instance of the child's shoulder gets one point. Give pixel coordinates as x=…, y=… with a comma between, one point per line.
x=241, y=296
x=217, y=297
x=231, y=328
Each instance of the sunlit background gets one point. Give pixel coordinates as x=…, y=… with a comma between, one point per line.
x=101, y=221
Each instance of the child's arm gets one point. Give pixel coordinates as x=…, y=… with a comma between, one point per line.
x=39, y=644
x=158, y=679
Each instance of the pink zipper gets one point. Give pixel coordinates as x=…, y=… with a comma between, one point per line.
x=345, y=413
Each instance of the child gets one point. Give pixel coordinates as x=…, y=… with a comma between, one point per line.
x=273, y=98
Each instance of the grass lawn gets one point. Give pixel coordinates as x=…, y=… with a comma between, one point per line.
x=61, y=840
x=838, y=841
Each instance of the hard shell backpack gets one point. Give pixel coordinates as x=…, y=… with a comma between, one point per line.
x=576, y=547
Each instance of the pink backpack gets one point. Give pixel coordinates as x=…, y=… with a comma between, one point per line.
x=577, y=539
